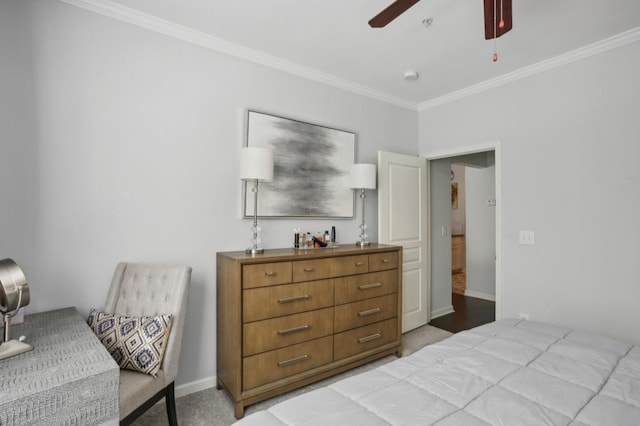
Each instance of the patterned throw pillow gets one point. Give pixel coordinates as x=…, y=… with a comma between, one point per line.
x=135, y=343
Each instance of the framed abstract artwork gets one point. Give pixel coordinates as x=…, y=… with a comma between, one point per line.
x=311, y=169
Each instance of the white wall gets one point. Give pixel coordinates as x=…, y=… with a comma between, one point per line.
x=570, y=151
x=125, y=146
x=17, y=172
x=480, y=239
x=440, y=174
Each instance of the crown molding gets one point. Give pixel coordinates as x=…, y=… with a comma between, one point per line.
x=158, y=25
x=601, y=46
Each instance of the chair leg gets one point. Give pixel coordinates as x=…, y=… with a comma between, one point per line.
x=170, y=399
x=166, y=393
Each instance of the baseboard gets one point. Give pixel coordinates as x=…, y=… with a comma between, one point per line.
x=442, y=311
x=197, y=386
x=479, y=295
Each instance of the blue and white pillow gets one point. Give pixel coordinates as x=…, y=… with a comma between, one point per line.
x=135, y=343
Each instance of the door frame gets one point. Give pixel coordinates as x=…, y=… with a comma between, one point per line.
x=474, y=149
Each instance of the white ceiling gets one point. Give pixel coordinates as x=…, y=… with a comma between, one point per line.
x=332, y=37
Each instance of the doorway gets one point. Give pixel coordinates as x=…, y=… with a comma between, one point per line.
x=479, y=240
x=473, y=226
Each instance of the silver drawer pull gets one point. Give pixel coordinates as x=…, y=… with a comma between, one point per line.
x=369, y=312
x=385, y=261
x=308, y=269
x=368, y=286
x=369, y=338
x=293, y=360
x=270, y=274
x=294, y=329
x=294, y=298
x=359, y=263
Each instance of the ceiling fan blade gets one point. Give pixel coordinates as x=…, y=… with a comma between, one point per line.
x=503, y=9
x=392, y=11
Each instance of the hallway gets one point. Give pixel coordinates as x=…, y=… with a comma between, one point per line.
x=469, y=312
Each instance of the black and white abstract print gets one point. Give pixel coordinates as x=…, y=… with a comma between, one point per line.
x=311, y=168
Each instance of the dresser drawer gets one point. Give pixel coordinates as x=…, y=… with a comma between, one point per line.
x=265, y=274
x=268, y=302
x=305, y=270
x=365, y=312
x=280, y=363
x=383, y=261
x=265, y=335
x=359, y=287
x=364, y=338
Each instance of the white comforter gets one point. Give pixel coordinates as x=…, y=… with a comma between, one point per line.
x=507, y=373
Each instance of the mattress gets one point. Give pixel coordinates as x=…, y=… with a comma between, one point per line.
x=508, y=372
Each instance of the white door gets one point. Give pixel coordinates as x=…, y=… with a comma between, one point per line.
x=403, y=220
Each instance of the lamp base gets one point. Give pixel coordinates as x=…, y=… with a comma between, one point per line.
x=362, y=243
x=13, y=347
x=254, y=251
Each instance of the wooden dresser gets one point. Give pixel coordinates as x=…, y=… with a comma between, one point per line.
x=287, y=318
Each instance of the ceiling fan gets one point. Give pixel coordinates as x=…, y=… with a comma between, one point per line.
x=497, y=16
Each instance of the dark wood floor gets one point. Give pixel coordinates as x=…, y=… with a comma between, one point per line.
x=469, y=312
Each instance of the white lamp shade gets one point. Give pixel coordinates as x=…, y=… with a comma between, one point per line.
x=362, y=176
x=256, y=163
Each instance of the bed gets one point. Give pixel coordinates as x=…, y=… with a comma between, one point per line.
x=508, y=372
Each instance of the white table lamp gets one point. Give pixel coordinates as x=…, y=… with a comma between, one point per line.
x=362, y=177
x=256, y=164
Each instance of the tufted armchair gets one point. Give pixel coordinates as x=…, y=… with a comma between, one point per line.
x=149, y=290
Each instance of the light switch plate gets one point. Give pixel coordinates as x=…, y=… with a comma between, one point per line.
x=527, y=238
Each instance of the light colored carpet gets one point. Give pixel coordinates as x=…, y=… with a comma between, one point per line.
x=213, y=407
